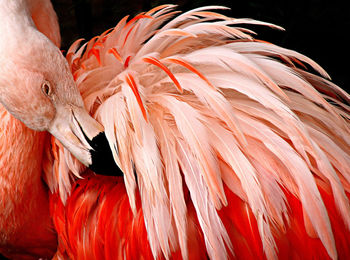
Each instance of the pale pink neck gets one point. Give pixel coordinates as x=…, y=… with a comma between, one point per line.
x=21, y=188
x=20, y=151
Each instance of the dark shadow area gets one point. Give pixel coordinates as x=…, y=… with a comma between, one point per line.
x=315, y=28
x=2, y=257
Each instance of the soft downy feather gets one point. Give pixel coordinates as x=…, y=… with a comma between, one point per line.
x=198, y=104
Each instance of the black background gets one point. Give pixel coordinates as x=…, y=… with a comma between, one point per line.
x=318, y=29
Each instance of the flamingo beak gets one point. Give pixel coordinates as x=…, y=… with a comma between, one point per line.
x=84, y=137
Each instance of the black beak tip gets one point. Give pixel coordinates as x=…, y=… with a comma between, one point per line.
x=102, y=158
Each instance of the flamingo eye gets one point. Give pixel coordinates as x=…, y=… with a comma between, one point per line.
x=46, y=88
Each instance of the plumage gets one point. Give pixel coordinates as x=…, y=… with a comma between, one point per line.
x=227, y=142
x=230, y=147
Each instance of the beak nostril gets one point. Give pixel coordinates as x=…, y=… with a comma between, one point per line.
x=102, y=158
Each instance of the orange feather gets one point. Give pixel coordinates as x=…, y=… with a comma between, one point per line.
x=131, y=82
x=157, y=63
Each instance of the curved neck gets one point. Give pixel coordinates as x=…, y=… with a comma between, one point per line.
x=11, y=10
x=10, y=7
x=15, y=23
x=20, y=150
x=20, y=169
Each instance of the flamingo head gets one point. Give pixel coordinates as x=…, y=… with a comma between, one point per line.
x=37, y=87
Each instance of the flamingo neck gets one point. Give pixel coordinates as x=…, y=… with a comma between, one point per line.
x=10, y=8
x=23, y=196
x=20, y=154
x=14, y=14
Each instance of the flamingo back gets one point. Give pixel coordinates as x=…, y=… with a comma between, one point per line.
x=230, y=146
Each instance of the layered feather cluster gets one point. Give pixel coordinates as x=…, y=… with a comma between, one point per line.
x=194, y=104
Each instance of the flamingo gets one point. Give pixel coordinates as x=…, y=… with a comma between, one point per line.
x=229, y=146
x=37, y=93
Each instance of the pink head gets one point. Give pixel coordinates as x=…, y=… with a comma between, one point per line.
x=37, y=87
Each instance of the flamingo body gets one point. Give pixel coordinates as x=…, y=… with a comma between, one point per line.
x=229, y=146
x=101, y=208
x=26, y=228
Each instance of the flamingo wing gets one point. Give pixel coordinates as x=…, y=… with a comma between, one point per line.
x=230, y=146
